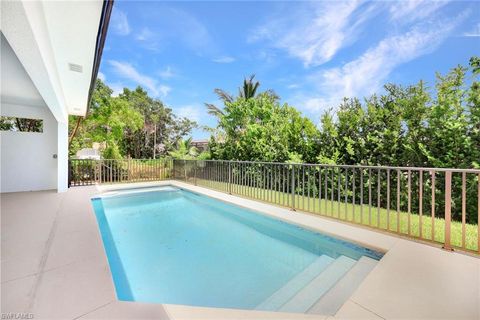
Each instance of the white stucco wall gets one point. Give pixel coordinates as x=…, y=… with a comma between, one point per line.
x=27, y=161
x=62, y=157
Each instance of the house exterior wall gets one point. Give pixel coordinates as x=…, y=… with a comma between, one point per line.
x=27, y=161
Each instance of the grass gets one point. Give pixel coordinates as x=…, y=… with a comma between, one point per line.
x=381, y=218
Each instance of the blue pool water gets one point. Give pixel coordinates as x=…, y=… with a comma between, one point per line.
x=178, y=247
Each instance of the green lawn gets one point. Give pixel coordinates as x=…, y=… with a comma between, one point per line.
x=370, y=216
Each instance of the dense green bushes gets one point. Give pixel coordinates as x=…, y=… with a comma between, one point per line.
x=414, y=126
x=405, y=126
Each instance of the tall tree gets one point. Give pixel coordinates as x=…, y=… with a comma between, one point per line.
x=249, y=88
x=132, y=124
x=161, y=128
x=184, y=150
x=247, y=91
x=106, y=122
x=262, y=129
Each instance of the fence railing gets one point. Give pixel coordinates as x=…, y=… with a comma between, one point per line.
x=88, y=171
x=432, y=204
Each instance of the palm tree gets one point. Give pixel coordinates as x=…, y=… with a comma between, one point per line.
x=185, y=150
x=247, y=91
x=249, y=88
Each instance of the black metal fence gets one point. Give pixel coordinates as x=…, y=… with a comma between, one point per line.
x=434, y=204
x=84, y=172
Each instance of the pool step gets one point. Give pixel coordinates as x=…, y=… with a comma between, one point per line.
x=303, y=300
x=285, y=293
x=331, y=301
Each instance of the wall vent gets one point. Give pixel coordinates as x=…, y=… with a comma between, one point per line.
x=75, y=67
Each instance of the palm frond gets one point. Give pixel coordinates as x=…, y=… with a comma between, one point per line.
x=272, y=94
x=214, y=110
x=223, y=95
x=249, y=88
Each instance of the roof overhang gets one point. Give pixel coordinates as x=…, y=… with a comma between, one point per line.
x=59, y=43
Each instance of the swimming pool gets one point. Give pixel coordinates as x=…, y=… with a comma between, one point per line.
x=169, y=245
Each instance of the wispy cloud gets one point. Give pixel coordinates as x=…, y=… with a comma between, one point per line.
x=168, y=24
x=167, y=73
x=127, y=71
x=316, y=31
x=164, y=90
x=119, y=23
x=293, y=86
x=101, y=76
x=366, y=74
x=408, y=11
x=192, y=112
x=475, y=32
x=145, y=34
x=224, y=59
x=117, y=88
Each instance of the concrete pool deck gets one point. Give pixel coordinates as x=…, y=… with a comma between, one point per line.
x=53, y=265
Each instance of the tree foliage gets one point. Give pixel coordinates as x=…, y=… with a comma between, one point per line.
x=184, y=150
x=408, y=125
x=405, y=126
x=414, y=125
x=261, y=129
x=130, y=125
x=411, y=125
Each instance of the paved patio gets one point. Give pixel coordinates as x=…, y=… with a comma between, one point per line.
x=54, y=266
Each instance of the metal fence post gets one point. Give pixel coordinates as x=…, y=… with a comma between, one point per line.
x=293, y=187
x=185, y=170
x=128, y=169
x=70, y=173
x=195, y=172
x=173, y=169
x=448, y=209
x=95, y=169
x=229, y=177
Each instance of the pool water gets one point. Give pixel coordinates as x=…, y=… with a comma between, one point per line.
x=174, y=246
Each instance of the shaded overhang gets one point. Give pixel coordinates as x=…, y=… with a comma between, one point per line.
x=59, y=44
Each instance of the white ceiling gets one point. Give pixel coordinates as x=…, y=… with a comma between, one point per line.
x=46, y=36
x=73, y=28
x=16, y=85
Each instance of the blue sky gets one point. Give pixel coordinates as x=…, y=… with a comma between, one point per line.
x=310, y=53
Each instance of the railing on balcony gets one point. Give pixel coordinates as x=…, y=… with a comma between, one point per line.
x=432, y=204
x=88, y=171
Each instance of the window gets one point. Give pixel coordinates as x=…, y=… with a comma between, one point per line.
x=20, y=124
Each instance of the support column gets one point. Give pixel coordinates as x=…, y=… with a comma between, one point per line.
x=62, y=156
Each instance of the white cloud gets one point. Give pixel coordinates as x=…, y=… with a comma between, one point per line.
x=316, y=31
x=119, y=23
x=412, y=10
x=167, y=73
x=127, y=71
x=192, y=112
x=224, y=59
x=101, y=76
x=169, y=26
x=366, y=74
x=164, y=90
x=117, y=88
x=475, y=32
x=144, y=35
x=192, y=31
